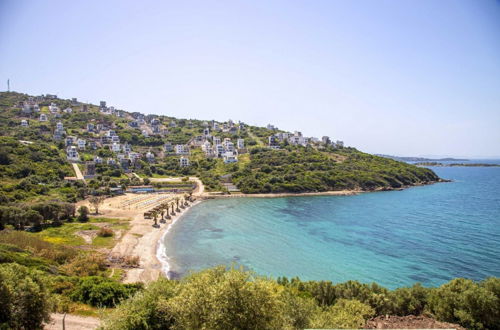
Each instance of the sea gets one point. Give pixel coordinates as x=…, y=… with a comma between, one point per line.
x=427, y=234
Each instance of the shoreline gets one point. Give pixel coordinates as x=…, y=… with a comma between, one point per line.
x=161, y=250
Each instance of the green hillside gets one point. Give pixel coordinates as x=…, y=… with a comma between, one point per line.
x=33, y=162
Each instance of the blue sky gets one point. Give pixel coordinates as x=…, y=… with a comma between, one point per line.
x=395, y=77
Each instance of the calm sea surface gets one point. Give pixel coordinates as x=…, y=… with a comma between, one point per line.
x=424, y=234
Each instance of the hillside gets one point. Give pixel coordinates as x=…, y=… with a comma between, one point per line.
x=41, y=136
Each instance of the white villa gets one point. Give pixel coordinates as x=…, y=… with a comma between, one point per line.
x=81, y=144
x=68, y=110
x=43, y=117
x=183, y=162
x=240, y=143
x=181, y=149
x=72, y=154
x=229, y=157
x=150, y=157
x=24, y=123
x=59, y=126
x=116, y=147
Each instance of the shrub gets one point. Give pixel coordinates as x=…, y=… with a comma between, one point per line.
x=144, y=310
x=83, y=213
x=105, y=232
x=131, y=261
x=85, y=264
x=102, y=292
x=24, y=298
x=345, y=314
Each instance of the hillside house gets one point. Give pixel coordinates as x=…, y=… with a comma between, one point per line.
x=90, y=127
x=216, y=140
x=219, y=150
x=98, y=160
x=339, y=144
x=273, y=142
x=80, y=143
x=240, y=143
x=229, y=157
x=326, y=140
x=59, y=126
x=181, y=149
x=116, y=147
x=168, y=147
x=24, y=123
x=43, y=117
x=183, y=162
x=150, y=157
x=72, y=154
x=145, y=133
x=69, y=140
x=68, y=110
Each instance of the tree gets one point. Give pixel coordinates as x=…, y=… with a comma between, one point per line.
x=227, y=299
x=83, y=213
x=467, y=303
x=24, y=297
x=96, y=202
x=177, y=199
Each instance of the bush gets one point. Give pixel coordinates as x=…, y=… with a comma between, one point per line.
x=24, y=298
x=472, y=305
x=131, y=261
x=105, y=232
x=102, y=292
x=345, y=314
x=145, y=310
x=83, y=213
x=85, y=264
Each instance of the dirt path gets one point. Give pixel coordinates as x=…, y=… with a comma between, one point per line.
x=72, y=322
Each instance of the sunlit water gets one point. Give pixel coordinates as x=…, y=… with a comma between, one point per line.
x=426, y=234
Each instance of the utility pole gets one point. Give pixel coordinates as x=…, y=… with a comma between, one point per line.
x=8, y=85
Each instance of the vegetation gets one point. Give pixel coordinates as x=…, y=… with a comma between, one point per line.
x=221, y=298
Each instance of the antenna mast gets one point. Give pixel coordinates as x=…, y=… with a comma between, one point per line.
x=8, y=85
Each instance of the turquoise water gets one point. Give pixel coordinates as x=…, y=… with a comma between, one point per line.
x=424, y=234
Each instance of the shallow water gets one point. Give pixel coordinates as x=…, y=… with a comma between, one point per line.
x=426, y=234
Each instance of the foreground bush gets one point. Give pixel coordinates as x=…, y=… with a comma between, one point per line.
x=24, y=302
x=102, y=292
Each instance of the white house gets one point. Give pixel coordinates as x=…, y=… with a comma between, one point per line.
x=216, y=140
x=81, y=144
x=98, y=160
x=229, y=146
x=183, y=161
x=72, y=154
x=181, y=149
x=68, y=110
x=90, y=127
x=240, y=143
x=145, y=133
x=219, y=150
x=273, y=142
x=70, y=140
x=206, y=132
x=229, y=157
x=59, y=126
x=339, y=144
x=43, y=117
x=150, y=157
x=53, y=108
x=24, y=123
x=206, y=146
x=116, y=147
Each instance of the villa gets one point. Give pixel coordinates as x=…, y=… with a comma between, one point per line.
x=59, y=126
x=68, y=110
x=24, y=123
x=81, y=144
x=72, y=154
x=168, y=147
x=183, y=162
x=229, y=157
x=181, y=149
x=326, y=140
x=70, y=140
x=240, y=143
x=145, y=133
x=150, y=157
x=273, y=142
x=116, y=147
x=43, y=117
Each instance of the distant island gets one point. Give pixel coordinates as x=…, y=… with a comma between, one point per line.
x=422, y=159
x=456, y=164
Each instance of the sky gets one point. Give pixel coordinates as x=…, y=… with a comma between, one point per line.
x=408, y=78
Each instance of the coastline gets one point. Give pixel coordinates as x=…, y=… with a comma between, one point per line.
x=147, y=243
x=161, y=251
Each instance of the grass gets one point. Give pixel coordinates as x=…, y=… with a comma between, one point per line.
x=104, y=242
x=66, y=234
